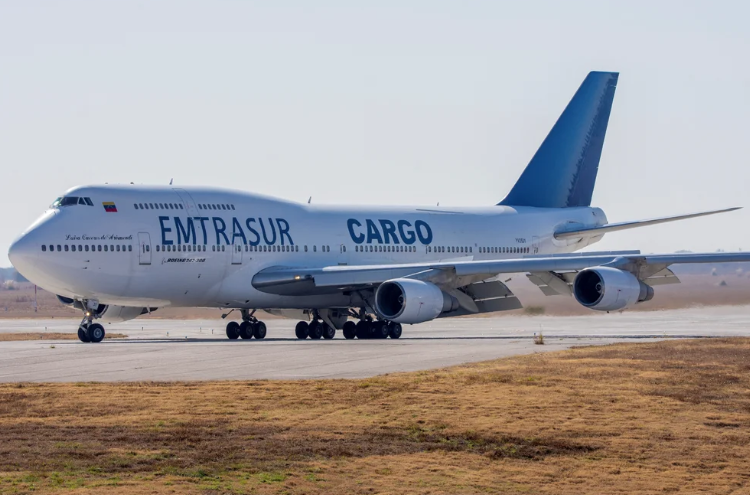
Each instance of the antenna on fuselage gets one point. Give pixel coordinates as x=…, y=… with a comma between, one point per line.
x=309, y=200
x=170, y=181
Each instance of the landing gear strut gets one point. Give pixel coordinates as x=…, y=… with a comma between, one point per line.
x=249, y=328
x=87, y=330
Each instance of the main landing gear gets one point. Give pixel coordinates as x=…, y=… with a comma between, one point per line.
x=369, y=329
x=88, y=331
x=316, y=330
x=366, y=328
x=249, y=328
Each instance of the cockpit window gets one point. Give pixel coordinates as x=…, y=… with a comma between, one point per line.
x=72, y=200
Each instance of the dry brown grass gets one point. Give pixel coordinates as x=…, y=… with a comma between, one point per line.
x=13, y=337
x=632, y=418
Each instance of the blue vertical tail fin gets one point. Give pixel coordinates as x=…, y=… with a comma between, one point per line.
x=562, y=172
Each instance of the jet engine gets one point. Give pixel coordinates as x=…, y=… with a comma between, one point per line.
x=609, y=289
x=405, y=300
x=107, y=312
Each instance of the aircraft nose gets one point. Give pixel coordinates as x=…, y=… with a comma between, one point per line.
x=19, y=252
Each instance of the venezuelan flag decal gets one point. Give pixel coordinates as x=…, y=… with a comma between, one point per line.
x=109, y=207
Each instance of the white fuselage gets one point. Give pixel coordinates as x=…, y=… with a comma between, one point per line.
x=201, y=247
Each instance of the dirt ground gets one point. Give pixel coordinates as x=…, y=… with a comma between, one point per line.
x=695, y=290
x=672, y=416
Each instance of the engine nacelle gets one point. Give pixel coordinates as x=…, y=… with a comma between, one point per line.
x=108, y=312
x=406, y=300
x=609, y=289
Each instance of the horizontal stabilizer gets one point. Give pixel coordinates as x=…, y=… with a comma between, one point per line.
x=614, y=227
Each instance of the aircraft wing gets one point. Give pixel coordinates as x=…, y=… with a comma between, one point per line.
x=614, y=227
x=300, y=281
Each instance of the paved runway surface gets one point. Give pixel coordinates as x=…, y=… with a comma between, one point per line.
x=198, y=349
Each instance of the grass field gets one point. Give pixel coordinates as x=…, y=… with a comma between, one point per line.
x=661, y=417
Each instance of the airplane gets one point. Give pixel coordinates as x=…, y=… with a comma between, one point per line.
x=116, y=252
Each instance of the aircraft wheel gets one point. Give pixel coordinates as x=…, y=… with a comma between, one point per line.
x=95, y=332
x=316, y=330
x=246, y=330
x=302, y=330
x=380, y=330
x=82, y=335
x=328, y=331
x=350, y=330
x=259, y=330
x=233, y=330
x=363, y=329
x=394, y=330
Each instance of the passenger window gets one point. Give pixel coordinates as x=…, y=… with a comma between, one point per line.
x=66, y=248
x=73, y=248
x=44, y=248
x=59, y=248
x=232, y=206
x=105, y=248
x=136, y=206
x=99, y=247
x=130, y=248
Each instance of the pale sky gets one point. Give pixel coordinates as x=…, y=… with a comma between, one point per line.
x=381, y=102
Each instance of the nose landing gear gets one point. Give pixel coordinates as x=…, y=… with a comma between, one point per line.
x=89, y=332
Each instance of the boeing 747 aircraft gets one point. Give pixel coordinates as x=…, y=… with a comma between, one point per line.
x=119, y=251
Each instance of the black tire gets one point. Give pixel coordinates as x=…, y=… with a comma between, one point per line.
x=82, y=335
x=233, y=330
x=350, y=330
x=394, y=330
x=380, y=330
x=302, y=330
x=316, y=330
x=246, y=330
x=328, y=331
x=95, y=333
x=363, y=329
x=259, y=330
